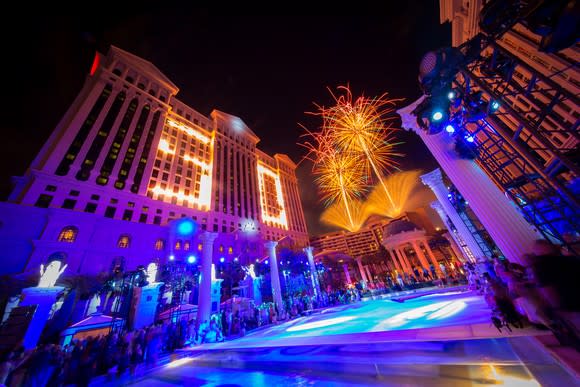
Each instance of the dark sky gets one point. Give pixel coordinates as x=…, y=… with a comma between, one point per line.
x=266, y=69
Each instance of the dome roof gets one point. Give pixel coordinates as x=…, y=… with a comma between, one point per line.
x=399, y=226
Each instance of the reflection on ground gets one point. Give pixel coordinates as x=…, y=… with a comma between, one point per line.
x=360, y=345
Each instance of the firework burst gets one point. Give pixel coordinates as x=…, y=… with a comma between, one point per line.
x=361, y=128
x=400, y=185
x=337, y=215
x=355, y=142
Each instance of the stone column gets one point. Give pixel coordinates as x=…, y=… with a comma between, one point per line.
x=431, y=256
x=434, y=180
x=420, y=254
x=361, y=269
x=274, y=275
x=406, y=259
x=456, y=250
x=404, y=265
x=395, y=261
x=369, y=272
x=346, y=273
x=505, y=224
x=313, y=272
x=458, y=241
x=204, y=297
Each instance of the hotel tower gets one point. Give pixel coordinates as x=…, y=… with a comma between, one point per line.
x=127, y=159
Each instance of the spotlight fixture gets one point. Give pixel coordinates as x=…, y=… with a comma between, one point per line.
x=450, y=129
x=437, y=115
x=191, y=259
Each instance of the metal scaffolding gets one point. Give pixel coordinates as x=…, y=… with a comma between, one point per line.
x=526, y=145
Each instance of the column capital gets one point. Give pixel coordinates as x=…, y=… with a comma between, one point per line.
x=409, y=120
x=436, y=205
x=433, y=178
x=208, y=237
x=309, y=250
x=270, y=244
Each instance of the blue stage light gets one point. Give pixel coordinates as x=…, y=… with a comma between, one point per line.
x=222, y=259
x=450, y=129
x=186, y=227
x=494, y=105
x=437, y=115
x=171, y=257
x=451, y=95
x=267, y=261
x=191, y=259
x=469, y=138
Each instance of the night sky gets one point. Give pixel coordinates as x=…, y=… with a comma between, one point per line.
x=265, y=68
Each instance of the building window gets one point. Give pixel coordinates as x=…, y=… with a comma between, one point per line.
x=157, y=220
x=118, y=265
x=68, y=234
x=43, y=201
x=199, y=247
x=127, y=214
x=178, y=245
x=74, y=193
x=124, y=241
x=50, y=188
x=221, y=248
x=159, y=244
x=143, y=218
x=186, y=245
x=230, y=250
x=110, y=212
x=69, y=204
x=95, y=197
x=91, y=208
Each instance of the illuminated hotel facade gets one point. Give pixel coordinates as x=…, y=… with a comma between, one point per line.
x=130, y=157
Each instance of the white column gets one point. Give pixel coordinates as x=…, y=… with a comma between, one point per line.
x=454, y=246
x=505, y=224
x=204, y=297
x=395, y=261
x=404, y=265
x=346, y=273
x=431, y=256
x=434, y=180
x=361, y=269
x=313, y=272
x=456, y=240
x=369, y=272
x=406, y=259
x=274, y=275
x=420, y=254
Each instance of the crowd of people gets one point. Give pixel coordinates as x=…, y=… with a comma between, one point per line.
x=537, y=290
x=541, y=290
x=79, y=361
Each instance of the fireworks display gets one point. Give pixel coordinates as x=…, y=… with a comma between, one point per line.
x=400, y=186
x=353, y=148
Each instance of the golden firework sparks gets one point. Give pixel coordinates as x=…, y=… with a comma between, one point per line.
x=401, y=185
x=361, y=128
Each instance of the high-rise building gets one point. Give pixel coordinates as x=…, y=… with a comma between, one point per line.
x=127, y=149
x=529, y=147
